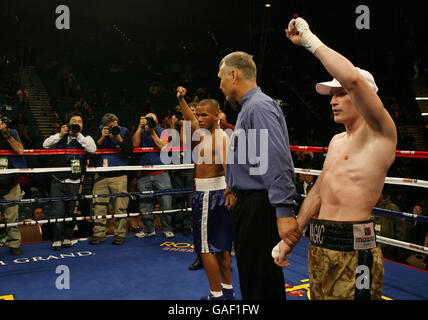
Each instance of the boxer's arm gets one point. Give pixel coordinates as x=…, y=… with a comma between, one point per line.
x=362, y=95
x=364, y=98
x=311, y=205
x=224, y=145
x=230, y=197
x=185, y=110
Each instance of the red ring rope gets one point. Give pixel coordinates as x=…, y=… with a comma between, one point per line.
x=398, y=153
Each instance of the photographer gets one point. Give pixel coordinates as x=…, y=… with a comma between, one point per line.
x=67, y=183
x=181, y=179
x=148, y=134
x=9, y=183
x=112, y=136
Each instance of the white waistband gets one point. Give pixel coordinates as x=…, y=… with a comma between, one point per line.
x=210, y=184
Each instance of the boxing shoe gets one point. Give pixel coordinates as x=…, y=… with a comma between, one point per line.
x=211, y=297
x=229, y=294
x=196, y=265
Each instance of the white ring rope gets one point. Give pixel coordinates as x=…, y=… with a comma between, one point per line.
x=80, y=218
x=388, y=180
x=100, y=169
x=402, y=244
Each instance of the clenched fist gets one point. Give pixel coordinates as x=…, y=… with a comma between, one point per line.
x=181, y=92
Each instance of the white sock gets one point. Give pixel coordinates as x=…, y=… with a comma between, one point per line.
x=226, y=286
x=216, y=293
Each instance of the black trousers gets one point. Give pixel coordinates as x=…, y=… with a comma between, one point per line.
x=255, y=234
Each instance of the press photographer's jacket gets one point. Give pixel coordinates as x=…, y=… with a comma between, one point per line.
x=67, y=142
x=115, y=159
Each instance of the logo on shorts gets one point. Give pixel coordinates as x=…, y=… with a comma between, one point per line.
x=364, y=239
x=316, y=233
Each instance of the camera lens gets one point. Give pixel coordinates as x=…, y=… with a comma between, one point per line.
x=151, y=123
x=114, y=130
x=74, y=128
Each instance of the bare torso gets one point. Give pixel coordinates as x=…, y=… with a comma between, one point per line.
x=209, y=162
x=353, y=174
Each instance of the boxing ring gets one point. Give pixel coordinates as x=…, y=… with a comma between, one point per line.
x=156, y=268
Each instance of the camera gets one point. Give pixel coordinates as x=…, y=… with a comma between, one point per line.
x=6, y=120
x=4, y=115
x=114, y=130
x=151, y=123
x=74, y=128
x=179, y=116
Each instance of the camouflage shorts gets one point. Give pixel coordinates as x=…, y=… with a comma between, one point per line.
x=345, y=275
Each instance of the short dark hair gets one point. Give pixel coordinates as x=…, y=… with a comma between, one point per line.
x=420, y=205
x=109, y=117
x=76, y=114
x=213, y=104
x=34, y=210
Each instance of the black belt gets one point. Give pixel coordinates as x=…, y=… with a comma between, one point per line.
x=342, y=236
x=245, y=193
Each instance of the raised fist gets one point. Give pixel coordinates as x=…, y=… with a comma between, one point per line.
x=299, y=33
x=293, y=34
x=181, y=92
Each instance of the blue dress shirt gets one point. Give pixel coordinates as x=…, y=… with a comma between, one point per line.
x=259, y=156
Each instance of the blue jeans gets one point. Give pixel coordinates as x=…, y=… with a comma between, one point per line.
x=155, y=183
x=63, y=209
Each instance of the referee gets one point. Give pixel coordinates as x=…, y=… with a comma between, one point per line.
x=260, y=172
